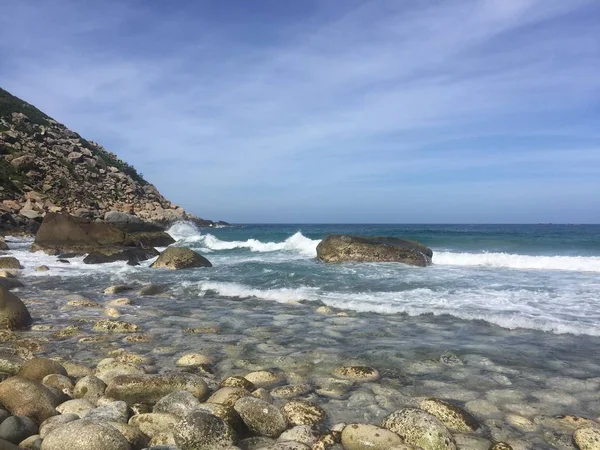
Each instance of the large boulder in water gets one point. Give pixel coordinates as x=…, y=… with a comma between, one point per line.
x=180, y=258
x=13, y=312
x=339, y=248
x=62, y=233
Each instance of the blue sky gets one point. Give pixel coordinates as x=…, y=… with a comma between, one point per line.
x=329, y=111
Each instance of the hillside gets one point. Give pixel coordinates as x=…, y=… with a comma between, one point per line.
x=45, y=167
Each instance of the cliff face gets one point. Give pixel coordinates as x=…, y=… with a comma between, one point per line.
x=45, y=167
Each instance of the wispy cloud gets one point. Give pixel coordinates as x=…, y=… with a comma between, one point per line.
x=300, y=107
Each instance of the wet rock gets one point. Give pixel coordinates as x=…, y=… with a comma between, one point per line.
x=301, y=433
x=10, y=283
x=13, y=312
x=501, y=446
x=255, y=443
x=289, y=445
x=16, y=428
x=338, y=248
x=153, y=289
x=116, y=326
x=200, y=430
x=471, y=442
x=163, y=441
x=261, y=417
x=85, y=435
x=81, y=407
x=112, y=412
x=119, y=302
x=4, y=414
x=151, y=388
x=368, y=437
x=76, y=370
x=37, y=368
x=153, y=423
x=133, y=255
x=153, y=239
x=54, y=422
x=118, y=289
x=60, y=382
x=42, y=268
x=291, y=391
x=178, y=403
x=31, y=443
x=110, y=368
x=23, y=397
x=228, y=395
x=10, y=263
x=228, y=414
x=180, y=258
x=419, y=428
x=301, y=412
x=266, y=378
x=10, y=362
x=3, y=245
x=263, y=394
x=90, y=388
x=67, y=332
x=587, y=438
x=193, y=359
x=134, y=435
x=240, y=382
x=455, y=418
x=357, y=373
x=83, y=303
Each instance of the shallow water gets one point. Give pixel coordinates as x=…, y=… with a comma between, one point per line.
x=257, y=308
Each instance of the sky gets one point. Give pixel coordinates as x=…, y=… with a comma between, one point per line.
x=413, y=111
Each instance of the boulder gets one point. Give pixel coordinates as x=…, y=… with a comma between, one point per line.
x=130, y=223
x=3, y=245
x=587, y=438
x=13, y=312
x=180, y=258
x=340, y=248
x=419, y=428
x=10, y=283
x=23, y=397
x=200, y=430
x=133, y=255
x=150, y=389
x=10, y=262
x=37, y=368
x=85, y=435
x=153, y=238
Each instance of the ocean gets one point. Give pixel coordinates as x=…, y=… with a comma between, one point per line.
x=506, y=321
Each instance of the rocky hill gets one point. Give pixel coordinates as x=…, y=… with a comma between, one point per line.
x=45, y=167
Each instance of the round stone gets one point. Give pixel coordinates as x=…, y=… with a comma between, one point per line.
x=85, y=435
x=179, y=403
x=587, y=438
x=261, y=417
x=200, y=430
x=17, y=428
x=90, y=388
x=455, y=418
x=301, y=412
x=266, y=378
x=153, y=423
x=24, y=397
x=54, y=422
x=79, y=406
x=60, y=382
x=240, y=382
x=358, y=436
x=228, y=395
x=357, y=373
x=420, y=428
x=193, y=359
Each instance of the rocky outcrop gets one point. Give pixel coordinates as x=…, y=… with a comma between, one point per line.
x=340, y=248
x=45, y=167
x=180, y=258
x=61, y=233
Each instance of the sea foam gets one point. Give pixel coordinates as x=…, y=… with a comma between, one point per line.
x=515, y=261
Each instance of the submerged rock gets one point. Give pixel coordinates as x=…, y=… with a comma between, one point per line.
x=455, y=418
x=419, y=428
x=301, y=412
x=13, y=312
x=38, y=368
x=339, y=248
x=151, y=388
x=357, y=373
x=180, y=258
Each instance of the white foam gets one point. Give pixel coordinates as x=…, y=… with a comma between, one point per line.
x=184, y=232
x=236, y=290
x=515, y=261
